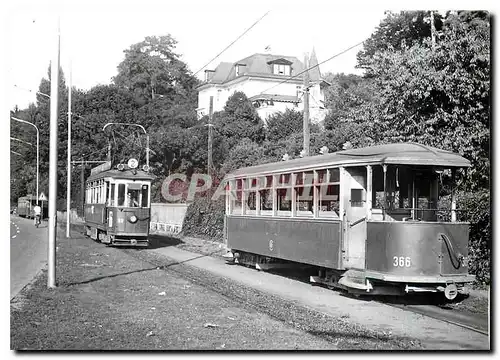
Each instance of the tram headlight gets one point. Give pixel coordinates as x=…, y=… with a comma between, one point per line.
x=132, y=219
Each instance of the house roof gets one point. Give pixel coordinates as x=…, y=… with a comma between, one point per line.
x=260, y=65
x=401, y=153
x=221, y=73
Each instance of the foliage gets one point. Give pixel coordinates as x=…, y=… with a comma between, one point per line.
x=245, y=153
x=396, y=31
x=151, y=69
x=480, y=237
x=477, y=212
x=238, y=120
x=439, y=97
x=205, y=218
x=282, y=124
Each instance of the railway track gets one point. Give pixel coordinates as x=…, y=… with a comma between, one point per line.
x=470, y=321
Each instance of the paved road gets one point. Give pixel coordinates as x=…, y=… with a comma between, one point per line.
x=28, y=251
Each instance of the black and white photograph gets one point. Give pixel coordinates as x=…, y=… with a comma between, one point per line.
x=222, y=176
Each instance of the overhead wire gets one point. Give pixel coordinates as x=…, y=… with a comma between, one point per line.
x=231, y=44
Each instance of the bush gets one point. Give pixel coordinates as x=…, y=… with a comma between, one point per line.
x=205, y=218
x=477, y=205
x=478, y=214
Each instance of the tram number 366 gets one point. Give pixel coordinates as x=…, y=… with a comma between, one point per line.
x=401, y=261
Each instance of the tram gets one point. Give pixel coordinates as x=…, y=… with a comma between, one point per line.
x=366, y=219
x=118, y=204
x=26, y=205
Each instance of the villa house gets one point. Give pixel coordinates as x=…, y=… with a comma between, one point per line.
x=269, y=81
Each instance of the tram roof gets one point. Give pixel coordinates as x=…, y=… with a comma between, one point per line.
x=124, y=174
x=400, y=153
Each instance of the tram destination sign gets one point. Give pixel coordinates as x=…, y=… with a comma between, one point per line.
x=100, y=168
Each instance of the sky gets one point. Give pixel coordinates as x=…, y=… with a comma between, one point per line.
x=94, y=35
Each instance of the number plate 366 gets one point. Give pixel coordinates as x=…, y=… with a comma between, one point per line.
x=401, y=261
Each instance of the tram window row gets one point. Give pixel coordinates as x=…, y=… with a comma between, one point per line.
x=395, y=193
x=118, y=193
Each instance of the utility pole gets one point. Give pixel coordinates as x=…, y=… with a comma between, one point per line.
x=210, y=114
x=82, y=187
x=306, y=107
x=68, y=189
x=54, y=110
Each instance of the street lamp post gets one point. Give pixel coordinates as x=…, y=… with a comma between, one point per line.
x=37, y=151
x=68, y=189
x=142, y=127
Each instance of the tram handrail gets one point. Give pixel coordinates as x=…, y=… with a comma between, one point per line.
x=357, y=222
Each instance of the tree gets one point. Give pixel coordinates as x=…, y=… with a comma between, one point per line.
x=281, y=124
x=238, y=120
x=151, y=69
x=245, y=153
x=440, y=97
x=397, y=30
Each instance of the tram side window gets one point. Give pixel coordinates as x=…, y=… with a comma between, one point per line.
x=266, y=195
x=329, y=191
x=121, y=194
x=250, y=196
x=145, y=193
x=284, y=193
x=112, y=195
x=97, y=189
x=304, y=193
x=236, y=196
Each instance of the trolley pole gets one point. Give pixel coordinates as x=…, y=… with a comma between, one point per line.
x=210, y=114
x=54, y=110
x=306, y=107
x=68, y=189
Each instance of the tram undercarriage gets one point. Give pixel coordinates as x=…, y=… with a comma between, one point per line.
x=353, y=281
x=115, y=239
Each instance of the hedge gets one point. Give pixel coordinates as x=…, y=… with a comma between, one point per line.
x=205, y=218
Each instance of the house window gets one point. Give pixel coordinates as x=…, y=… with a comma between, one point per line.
x=237, y=70
x=280, y=69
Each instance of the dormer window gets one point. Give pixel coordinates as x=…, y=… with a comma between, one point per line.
x=237, y=69
x=281, y=69
x=209, y=75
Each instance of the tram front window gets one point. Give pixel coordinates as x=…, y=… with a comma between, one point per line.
x=134, y=195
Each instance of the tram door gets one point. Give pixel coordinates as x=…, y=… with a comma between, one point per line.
x=354, y=239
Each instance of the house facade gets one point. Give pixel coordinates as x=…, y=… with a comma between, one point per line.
x=273, y=83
